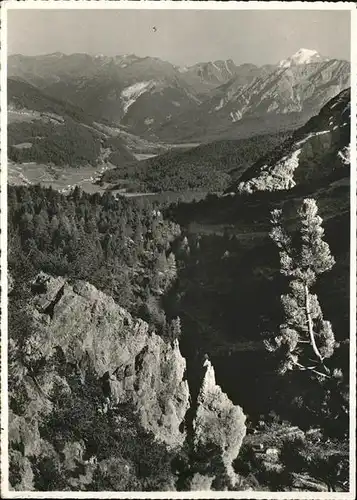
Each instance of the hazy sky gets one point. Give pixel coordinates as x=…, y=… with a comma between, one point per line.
x=181, y=37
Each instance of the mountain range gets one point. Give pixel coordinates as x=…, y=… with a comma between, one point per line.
x=212, y=100
x=274, y=99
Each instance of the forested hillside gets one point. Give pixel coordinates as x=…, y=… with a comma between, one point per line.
x=46, y=130
x=121, y=246
x=209, y=167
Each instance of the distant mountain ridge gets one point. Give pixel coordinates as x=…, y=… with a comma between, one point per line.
x=110, y=87
x=287, y=96
x=214, y=100
x=299, y=88
x=211, y=74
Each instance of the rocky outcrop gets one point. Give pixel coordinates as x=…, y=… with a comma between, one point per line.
x=218, y=423
x=135, y=364
x=131, y=364
x=75, y=326
x=315, y=152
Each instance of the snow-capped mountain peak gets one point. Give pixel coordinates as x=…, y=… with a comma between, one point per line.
x=302, y=56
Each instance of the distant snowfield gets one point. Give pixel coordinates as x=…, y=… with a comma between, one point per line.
x=302, y=56
x=132, y=93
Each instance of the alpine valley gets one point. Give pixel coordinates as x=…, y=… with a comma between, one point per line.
x=178, y=274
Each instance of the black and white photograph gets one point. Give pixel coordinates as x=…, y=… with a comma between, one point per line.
x=178, y=245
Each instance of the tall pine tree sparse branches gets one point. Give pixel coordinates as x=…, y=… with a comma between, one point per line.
x=305, y=340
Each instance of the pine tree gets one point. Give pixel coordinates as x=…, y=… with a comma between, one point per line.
x=305, y=339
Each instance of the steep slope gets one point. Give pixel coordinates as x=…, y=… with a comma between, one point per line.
x=50, y=138
x=278, y=97
x=44, y=129
x=303, y=88
x=22, y=95
x=93, y=373
x=204, y=77
x=90, y=328
x=213, y=406
x=214, y=73
x=163, y=100
x=318, y=150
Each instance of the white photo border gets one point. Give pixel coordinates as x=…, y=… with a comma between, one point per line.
x=8, y=5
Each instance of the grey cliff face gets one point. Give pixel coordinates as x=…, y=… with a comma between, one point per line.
x=138, y=365
x=315, y=151
x=135, y=366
